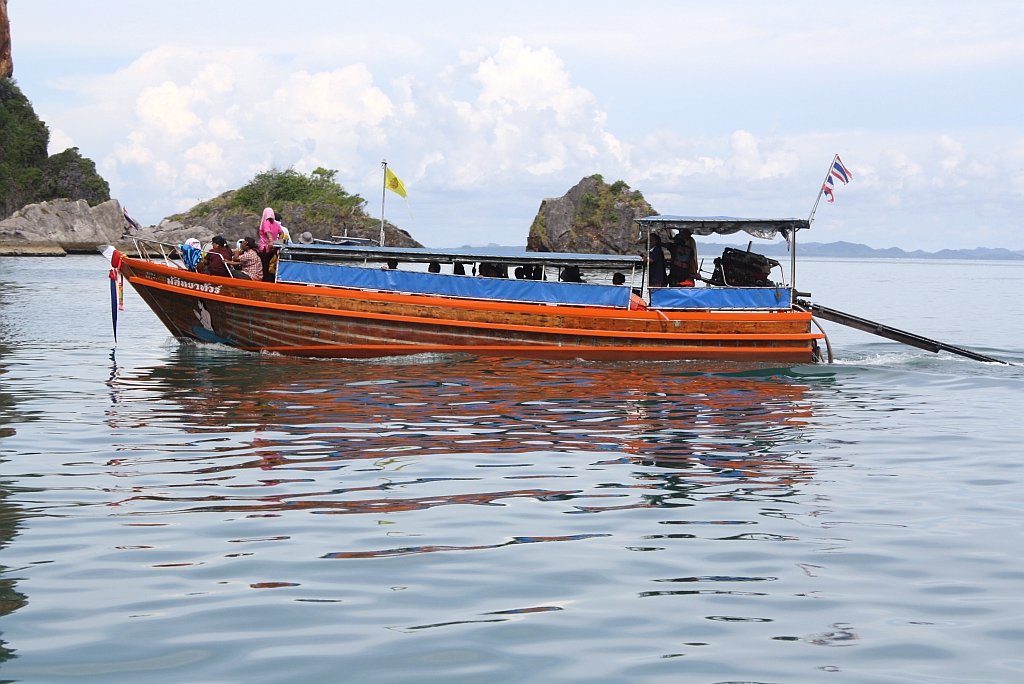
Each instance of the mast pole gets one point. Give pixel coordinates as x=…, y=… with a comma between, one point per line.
x=383, y=194
x=821, y=189
x=810, y=220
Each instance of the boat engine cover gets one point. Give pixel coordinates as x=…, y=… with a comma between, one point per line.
x=743, y=269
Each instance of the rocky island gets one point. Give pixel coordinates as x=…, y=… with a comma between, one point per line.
x=592, y=217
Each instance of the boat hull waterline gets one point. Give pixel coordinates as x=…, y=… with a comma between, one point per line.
x=316, y=321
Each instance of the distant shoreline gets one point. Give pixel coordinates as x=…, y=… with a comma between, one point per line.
x=858, y=251
x=844, y=250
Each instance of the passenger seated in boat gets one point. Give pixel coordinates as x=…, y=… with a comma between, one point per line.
x=218, y=257
x=656, y=263
x=433, y=267
x=636, y=302
x=191, y=252
x=571, y=274
x=683, y=269
x=392, y=265
x=520, y=273
x=458, y=268
x=247, y=262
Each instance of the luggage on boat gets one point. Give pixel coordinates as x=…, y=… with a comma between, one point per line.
x=743, y=269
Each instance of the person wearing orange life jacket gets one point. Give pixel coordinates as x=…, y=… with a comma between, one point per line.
x=636, y=302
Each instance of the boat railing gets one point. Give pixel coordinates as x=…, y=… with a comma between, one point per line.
x=453, y=286
x=167, y=253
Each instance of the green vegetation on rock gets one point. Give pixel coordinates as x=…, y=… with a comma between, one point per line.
x=277, y=188
x=27, y=175
x=313, y=203
x=69, y=174
x=603, y=204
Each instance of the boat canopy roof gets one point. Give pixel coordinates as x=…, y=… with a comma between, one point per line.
x=725, y=225
x=324, y=253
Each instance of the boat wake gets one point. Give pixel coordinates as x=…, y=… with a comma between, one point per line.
x=941, y=364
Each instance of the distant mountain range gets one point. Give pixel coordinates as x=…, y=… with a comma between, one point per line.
x=837, y=250
x=854, y=250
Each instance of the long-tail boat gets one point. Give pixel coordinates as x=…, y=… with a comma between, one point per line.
x=359, y=300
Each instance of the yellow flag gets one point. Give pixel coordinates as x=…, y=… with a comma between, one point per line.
x=392, y=182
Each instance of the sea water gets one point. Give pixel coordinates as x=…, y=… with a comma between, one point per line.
x=172, y=512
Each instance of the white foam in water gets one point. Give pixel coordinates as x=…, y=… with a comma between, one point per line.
x=887, y=359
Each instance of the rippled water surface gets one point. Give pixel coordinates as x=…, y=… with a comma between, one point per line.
x=174, y=513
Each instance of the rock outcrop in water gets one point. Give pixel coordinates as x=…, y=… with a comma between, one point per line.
x=57, y=227
x=591, y=217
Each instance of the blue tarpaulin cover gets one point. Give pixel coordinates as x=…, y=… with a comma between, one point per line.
x=721, y=298
x=470, y=287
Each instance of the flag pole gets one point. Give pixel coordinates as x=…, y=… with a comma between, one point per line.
x=821, y=189
x=810, y=220
x=383, y=194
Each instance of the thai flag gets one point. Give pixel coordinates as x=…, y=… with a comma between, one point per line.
x=840, y=172
x=837, y=172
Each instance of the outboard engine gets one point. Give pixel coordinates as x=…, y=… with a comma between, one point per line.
x=743, y=269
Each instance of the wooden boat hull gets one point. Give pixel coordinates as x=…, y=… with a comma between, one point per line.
x=306, y=320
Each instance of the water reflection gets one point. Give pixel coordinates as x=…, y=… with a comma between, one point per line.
x=669, y=433
x=11, y=515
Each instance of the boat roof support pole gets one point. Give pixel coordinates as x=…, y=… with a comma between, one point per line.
x=645, y=287
x=792, y=261
x=383, y=194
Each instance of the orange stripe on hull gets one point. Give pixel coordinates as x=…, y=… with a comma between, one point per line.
x=797, y=354
x=331, y=322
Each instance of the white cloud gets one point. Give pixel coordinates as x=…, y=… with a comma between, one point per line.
x=165, y=111
x=749, y=162
x=344, y=99
x=133, y=152
x=711, y=108
x=59, y=141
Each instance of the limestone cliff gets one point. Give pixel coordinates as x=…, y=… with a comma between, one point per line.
x=592, y=217
x=27, y=174
x=6, y=63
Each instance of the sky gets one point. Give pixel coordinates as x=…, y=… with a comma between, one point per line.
x=708, y=107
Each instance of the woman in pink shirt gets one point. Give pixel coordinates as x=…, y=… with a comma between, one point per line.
x=270, y=232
